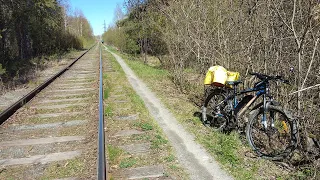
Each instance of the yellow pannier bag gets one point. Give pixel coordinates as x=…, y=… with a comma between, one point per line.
x=232, y=76
x=216, y=75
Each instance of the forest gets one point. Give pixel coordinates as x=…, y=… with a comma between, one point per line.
x=35, y=29
x=266, y=36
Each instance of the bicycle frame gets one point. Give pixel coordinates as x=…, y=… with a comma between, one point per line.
x=261, y=88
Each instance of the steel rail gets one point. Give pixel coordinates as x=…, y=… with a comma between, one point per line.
x=101, y=137
x=22, y=101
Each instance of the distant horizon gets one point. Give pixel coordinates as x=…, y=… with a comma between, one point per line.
x=97, y=12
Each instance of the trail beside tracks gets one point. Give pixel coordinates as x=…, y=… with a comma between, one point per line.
x=192, y=156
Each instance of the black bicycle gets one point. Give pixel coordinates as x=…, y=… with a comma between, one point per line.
x=271, y=131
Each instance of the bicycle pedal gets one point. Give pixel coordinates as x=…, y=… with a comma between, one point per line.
x=218, y=115
x=207, y=124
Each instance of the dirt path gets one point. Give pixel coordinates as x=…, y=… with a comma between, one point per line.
x=193, y=156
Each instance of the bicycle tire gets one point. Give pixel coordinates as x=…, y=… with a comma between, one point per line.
x=281, y=126
x=209, y=103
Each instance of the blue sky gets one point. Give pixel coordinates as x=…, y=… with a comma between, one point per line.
x=96, y=11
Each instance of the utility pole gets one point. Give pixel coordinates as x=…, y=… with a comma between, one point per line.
x=104, y=26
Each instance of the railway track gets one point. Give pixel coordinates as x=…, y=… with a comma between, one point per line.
x=54, y=136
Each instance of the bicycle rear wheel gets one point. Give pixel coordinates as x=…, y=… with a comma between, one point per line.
x=213, y=109
x=278, y=140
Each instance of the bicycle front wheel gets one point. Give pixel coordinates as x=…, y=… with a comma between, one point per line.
x=278, y=139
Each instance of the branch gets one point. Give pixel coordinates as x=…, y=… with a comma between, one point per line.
x=292, y=25
x=304, y=89
x=302, y=39
x=310, y=65
x=282, y=19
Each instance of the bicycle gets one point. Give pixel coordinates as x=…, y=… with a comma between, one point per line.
x=274, y=137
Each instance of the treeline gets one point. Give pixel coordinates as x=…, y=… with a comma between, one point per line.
x=36, y=28
x=267, y=36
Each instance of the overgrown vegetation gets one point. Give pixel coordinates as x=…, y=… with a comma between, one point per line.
x=263, y=36
x=37, y=28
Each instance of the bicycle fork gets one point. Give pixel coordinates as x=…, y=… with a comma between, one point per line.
x=265, y=109
x=204, y=113
x=264, y=117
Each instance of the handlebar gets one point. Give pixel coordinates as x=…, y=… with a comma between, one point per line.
x=264, y=77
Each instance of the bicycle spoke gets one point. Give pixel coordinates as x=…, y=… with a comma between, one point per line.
x=275, y=140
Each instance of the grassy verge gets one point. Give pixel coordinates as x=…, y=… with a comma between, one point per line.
x=230, y=150
x=118, y=89
x=66, y=169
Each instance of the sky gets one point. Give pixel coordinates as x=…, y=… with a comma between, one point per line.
x=97, y=11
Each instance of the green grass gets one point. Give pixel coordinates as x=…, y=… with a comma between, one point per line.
x=147, y=72
x=136, y=100
x=170, y=158
x=226, y=147
x=306, y=173
x=114, y=154
x=158, y=142
x=144, y=126
x=143, y=137
x=106, y=87
x=128, y=162
x=111, y=48
x=70, y=168
x=173, y=167
x=106, y=93
x=108, y=111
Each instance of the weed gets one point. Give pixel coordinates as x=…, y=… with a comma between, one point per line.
x=226, y=147
x=144, y=126
x=114, y=153
x=126, y=163
x=170, y=158
x=136, y=99
x=108, y=111
x=305, y=173
x=158, y=141
x=143, y=137
x=64, y=169
x=146, y=71
x=106, y=93
x=174, y=167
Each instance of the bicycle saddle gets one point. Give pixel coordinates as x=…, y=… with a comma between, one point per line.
x=233, y=82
